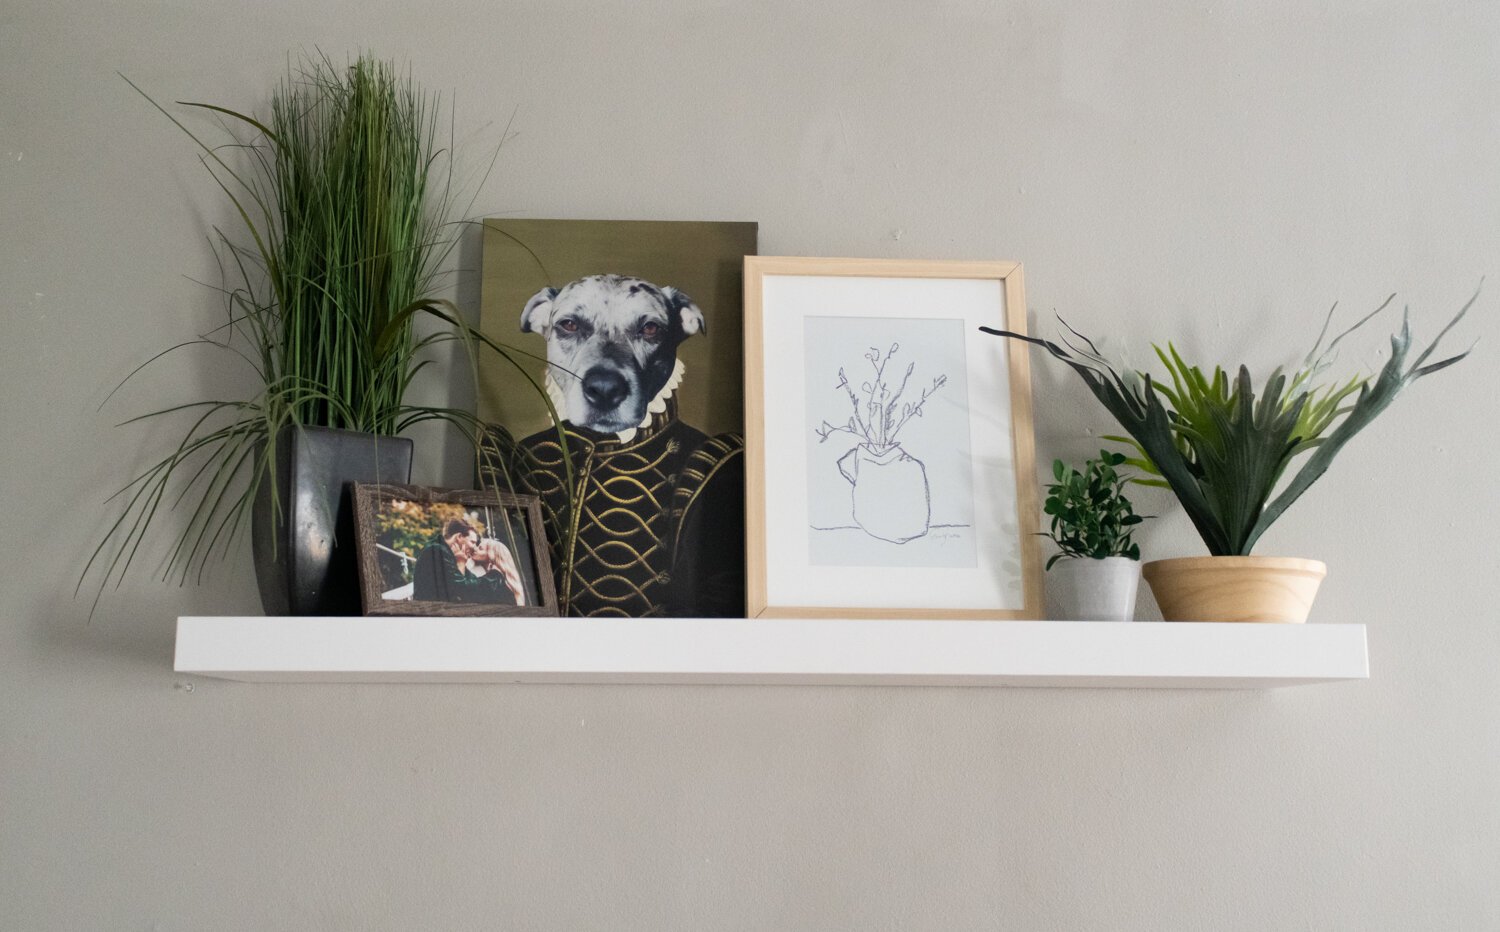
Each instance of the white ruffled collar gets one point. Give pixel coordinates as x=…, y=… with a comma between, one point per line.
x=656, y=406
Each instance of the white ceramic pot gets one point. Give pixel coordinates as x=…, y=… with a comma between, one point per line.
x=1084, y=589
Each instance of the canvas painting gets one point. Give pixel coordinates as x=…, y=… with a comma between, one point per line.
x=634, y=329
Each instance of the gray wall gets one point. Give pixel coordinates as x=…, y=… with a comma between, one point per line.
x=1215, y=174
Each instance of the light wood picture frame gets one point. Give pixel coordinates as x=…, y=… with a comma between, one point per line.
x=890, y=458
x=451, y=552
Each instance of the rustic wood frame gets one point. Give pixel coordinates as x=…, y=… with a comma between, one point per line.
x=367, y=496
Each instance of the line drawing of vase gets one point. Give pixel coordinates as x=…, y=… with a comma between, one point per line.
x=891, y=498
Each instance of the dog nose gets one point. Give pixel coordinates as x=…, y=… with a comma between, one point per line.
x=605, y=389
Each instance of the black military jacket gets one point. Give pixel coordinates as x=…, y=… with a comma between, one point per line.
x=658, y=528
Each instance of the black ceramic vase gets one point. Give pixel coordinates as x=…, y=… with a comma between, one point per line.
x=305, y=559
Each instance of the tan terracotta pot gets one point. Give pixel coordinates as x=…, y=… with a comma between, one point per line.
x=1257, y=589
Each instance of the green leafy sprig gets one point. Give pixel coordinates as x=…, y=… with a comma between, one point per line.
x=1090, y=515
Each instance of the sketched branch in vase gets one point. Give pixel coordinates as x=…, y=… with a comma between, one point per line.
x=875, y=419
x=891, y=498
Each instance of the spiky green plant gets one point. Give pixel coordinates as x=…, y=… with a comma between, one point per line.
x=1221, y=447
x=343, y=197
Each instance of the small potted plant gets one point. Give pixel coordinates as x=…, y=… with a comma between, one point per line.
x=1094, y=574
x=1223, y=448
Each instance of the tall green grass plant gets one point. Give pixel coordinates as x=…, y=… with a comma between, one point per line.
x=344, y=199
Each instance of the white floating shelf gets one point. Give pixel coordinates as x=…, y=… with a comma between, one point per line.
x=782, y=651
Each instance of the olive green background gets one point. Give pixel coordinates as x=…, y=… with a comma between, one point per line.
x=704, y=260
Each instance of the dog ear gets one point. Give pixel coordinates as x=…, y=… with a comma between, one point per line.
x=688, y=313
x=534, y=315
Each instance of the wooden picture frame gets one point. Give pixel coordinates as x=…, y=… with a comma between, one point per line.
x=451, y=552
x=890, y=468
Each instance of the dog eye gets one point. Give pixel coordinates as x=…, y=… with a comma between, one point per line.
x=650, y=329
x=568, y=325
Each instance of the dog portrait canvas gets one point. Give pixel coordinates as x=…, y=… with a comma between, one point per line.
x=635, y=330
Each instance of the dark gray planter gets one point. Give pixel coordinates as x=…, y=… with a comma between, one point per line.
x=306, y=563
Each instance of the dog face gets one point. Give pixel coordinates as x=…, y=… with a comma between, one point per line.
x=611, y=345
